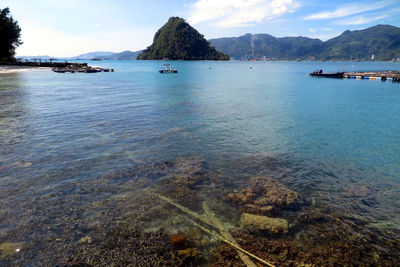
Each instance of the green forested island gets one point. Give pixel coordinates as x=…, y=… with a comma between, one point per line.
x=380, y=42
x=177, y=40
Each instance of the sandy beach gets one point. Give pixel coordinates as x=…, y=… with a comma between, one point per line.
x=6, y=69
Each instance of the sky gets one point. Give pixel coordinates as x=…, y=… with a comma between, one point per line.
x=66, y=28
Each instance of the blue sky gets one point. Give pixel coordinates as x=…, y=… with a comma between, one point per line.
x=72, y=27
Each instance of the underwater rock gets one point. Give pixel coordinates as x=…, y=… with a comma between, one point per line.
x=263, y=223
x=187, y=178
x=359, y=190
x=8, y=248
x=126, y=246
x=333, y=248
x=265, y=196
x=179, y=241
x=85, y=239
x=189, y=253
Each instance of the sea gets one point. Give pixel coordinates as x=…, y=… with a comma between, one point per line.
x=78, y=150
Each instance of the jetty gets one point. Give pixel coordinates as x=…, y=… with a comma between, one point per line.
x=78, y=68
x=60, y=67
x=390, y=75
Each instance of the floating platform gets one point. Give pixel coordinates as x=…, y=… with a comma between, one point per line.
x=390, y=75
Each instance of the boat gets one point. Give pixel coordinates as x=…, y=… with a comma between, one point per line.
x=168, y=69
x=320, y=73
x=90, y=70
x=58, y=70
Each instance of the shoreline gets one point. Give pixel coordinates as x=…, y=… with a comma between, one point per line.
x=9, y=69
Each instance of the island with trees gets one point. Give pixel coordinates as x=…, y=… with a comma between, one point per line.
x=177, y=40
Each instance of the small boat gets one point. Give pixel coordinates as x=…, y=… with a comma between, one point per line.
x=320, y=73
x=168, y=69
x=91, y=70
x=58, y=70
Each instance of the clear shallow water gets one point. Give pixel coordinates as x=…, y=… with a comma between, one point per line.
x=62, y=132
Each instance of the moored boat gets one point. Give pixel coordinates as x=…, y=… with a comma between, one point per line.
x=320, y=73
x=168, y=69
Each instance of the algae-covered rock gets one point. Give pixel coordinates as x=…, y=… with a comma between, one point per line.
x=126, y=246
x=186, y=179
x=264, y=223
x=8, y=248
x=265, y=195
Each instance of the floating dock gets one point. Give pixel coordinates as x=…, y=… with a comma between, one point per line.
x=390, y=75
x=374, y=75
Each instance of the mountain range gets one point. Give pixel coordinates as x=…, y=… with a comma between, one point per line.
x=380, y=42
x=125, y=55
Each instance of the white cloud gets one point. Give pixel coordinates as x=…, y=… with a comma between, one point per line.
x=43, y=41
x=359, y=20
x=237, y=13
x=348, y=10
x=312, y=30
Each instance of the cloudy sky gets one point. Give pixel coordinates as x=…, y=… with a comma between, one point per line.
x=72, y=27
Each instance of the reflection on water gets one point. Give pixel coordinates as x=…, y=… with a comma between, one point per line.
x=286, y=166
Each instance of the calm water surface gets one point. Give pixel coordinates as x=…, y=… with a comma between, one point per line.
x=60, y=133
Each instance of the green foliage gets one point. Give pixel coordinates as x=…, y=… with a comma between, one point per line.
x=10, y=34
x=383, y=41
x=178, y=40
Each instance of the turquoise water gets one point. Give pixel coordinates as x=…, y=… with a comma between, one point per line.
x=59, y=132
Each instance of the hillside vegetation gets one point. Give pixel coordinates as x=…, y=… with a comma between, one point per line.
x=177, y=40
x=382, y=41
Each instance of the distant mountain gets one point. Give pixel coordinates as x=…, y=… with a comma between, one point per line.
x=178, y=40
x=126, y=55
x=42, y=57
x=98, y=54
x=259, y=45
x=382, y=41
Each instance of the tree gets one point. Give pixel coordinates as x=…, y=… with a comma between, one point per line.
x=10, y=35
